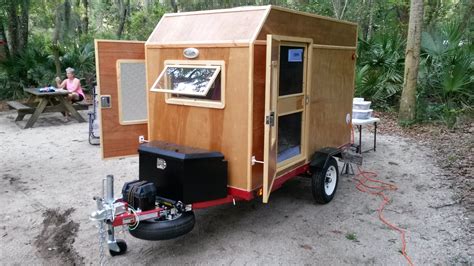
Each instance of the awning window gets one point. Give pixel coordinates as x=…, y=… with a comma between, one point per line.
x=193, y=80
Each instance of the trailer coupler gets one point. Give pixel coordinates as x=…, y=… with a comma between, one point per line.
x=111, y=213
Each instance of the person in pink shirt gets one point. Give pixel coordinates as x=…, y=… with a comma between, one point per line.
x=72, y=84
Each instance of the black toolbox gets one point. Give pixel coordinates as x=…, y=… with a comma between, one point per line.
x=183, y=173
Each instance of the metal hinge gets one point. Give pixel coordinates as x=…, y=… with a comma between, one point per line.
x=270, y=119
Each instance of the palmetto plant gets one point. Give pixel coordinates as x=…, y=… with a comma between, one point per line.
x=379, y=73
x=446, y=73
x=31, y=68
x=35, y=67
x=82, y=59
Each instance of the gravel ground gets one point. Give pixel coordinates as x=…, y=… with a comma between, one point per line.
x=50, y=173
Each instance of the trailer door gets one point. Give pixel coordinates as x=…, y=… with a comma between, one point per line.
x=271, y=121
x=285, y=107
x=121, y=83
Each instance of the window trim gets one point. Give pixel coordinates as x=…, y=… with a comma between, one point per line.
x=218, y=64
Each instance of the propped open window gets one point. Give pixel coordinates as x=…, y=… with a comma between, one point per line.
x=195, y=83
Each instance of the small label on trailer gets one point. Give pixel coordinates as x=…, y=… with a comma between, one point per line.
x=160, y=163
x=148, y=216
x=295, y=55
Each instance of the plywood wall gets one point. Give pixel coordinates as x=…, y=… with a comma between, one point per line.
x=321, y=30
x=212, y=26
x=116, y=140
x=331, y=92
x=258, y=113
x=332, y=89
x=224, y=130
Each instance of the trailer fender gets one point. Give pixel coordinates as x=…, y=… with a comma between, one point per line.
x=320, y=158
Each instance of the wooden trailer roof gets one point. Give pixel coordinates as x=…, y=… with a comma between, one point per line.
x=239, y=26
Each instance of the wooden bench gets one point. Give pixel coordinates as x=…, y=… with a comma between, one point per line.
x=21, y=108
x=24, y=109
x=81, y=106
x=18, y=106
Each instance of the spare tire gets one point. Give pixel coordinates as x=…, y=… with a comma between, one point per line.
x=164, y=229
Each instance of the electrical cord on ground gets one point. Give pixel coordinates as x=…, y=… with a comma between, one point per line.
x=363, y=177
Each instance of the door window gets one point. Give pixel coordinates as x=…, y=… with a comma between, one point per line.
x=289, y=136
x=290, y=102
x=291, y=70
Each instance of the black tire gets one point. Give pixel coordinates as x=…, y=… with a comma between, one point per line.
x=321, y=183
x=165, y=229
x=123, y=248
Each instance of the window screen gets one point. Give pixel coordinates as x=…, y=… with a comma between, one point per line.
x=131, y=76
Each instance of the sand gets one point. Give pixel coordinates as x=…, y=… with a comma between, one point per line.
x=50, y=173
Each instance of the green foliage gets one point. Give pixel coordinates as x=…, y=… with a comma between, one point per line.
x=352, y=237
x=143, y=22
x=82, y=59
x=380, y=65
x=446, y=74
x=35, y=67
x=445, y=82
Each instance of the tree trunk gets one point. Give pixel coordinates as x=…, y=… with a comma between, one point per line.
x=55, y=41
x=174, y=6
x=371, y=20
x=3, y=33
x=123, y=12
x=12, y=30
x=23, y=25
x=85, y=21
x=339, y=7
x=432, y=12
x=412, y=59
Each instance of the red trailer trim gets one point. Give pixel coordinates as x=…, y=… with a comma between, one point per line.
x=211, y=203
x=234, y=194
x=129, y=218
x=291, y=174
x=242, y=194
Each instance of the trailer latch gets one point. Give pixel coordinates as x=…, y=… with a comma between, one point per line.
x=270, y=119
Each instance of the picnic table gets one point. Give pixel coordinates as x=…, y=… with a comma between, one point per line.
x=41, y=102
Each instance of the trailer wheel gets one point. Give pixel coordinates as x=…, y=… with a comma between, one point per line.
x=164, y=229
x=123, y=248
x=324, y=182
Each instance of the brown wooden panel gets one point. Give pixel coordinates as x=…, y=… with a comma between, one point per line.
x=212, y=26
x=258, y=113
x=116, y=140
x=288, y=105
x=321, y=30
x=330, y=98
x=224, y=130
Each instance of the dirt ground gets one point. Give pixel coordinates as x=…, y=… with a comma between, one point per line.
x=49, y=174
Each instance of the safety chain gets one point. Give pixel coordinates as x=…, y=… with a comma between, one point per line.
x=101, y=243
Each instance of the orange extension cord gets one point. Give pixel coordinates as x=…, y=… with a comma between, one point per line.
x=378, y=190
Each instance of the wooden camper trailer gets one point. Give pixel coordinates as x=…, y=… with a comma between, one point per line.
x=258, y=94
x=286, y=80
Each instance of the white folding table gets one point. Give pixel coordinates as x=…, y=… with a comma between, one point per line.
x=359, y=123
